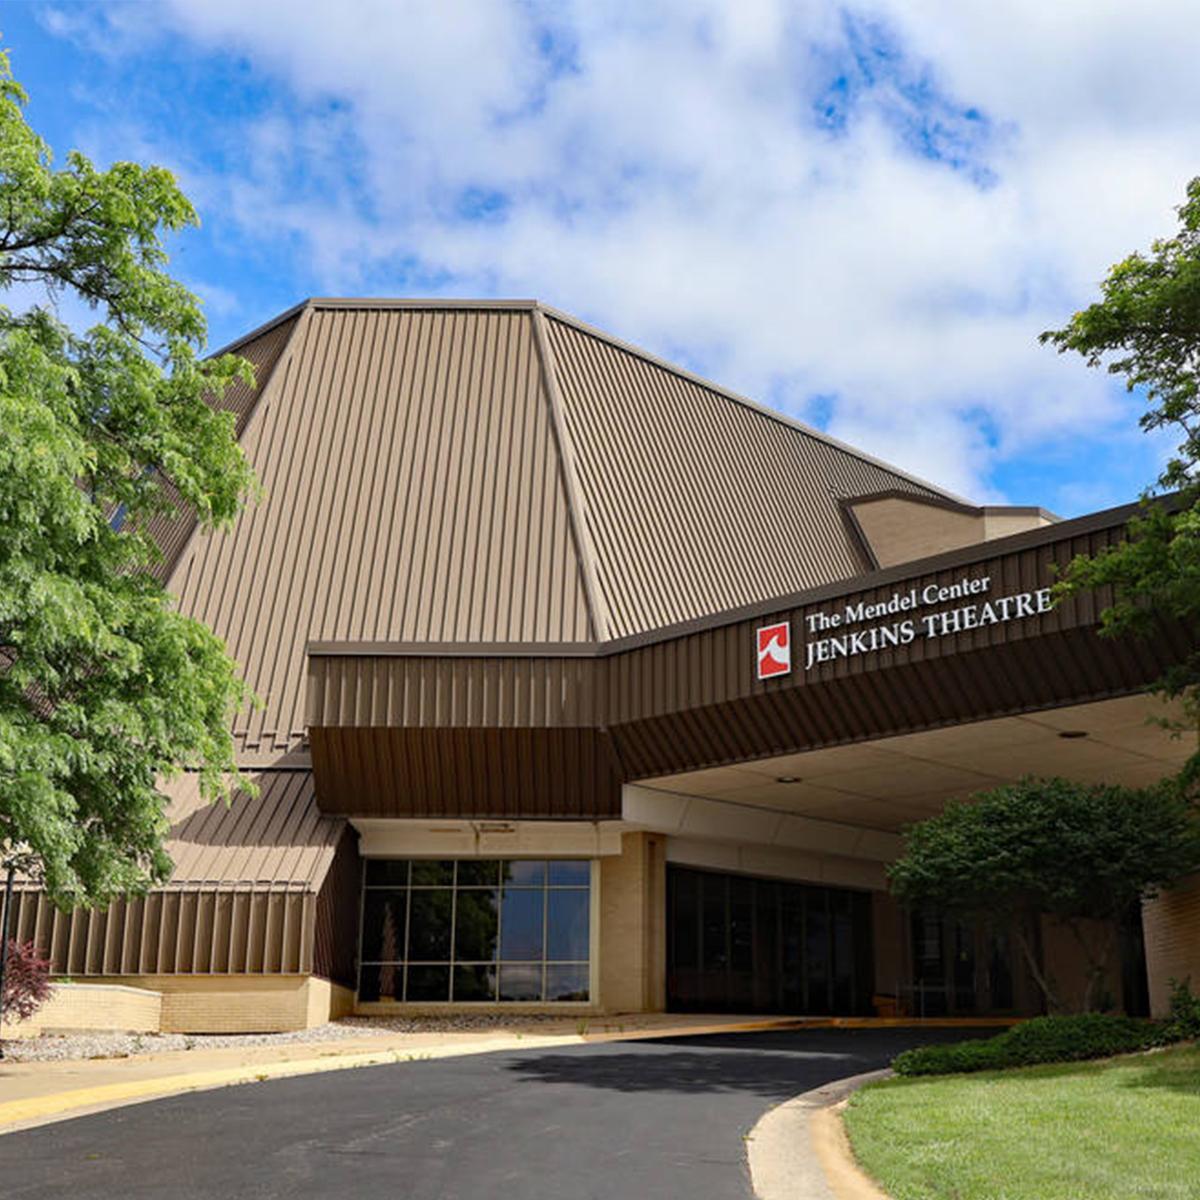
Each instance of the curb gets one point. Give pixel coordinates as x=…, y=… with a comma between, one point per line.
x=799, y=1150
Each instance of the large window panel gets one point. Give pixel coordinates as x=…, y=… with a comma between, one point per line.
x=476, y=982
x=520, y=981
x=430, y=924
x=428, y=983
x=477, y=925
x=385, y=921
x=476, y=930
x=567, y=924
x=567, y=981
x=522, y=926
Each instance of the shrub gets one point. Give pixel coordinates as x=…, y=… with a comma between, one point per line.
x=1042, y=1040
x=1183, y=1025
x=26, y=981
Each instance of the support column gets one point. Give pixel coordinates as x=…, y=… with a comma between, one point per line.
x=633, y=948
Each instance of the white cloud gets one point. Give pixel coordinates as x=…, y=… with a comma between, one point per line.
x=663, y=173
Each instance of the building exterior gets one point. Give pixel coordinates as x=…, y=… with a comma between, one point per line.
x=591, y=686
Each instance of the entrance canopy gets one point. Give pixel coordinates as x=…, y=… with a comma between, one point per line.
x=909, y=684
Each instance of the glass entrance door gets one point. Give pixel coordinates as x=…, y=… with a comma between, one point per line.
x=741, y=944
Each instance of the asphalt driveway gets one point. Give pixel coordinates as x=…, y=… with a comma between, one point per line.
x=654, y=1119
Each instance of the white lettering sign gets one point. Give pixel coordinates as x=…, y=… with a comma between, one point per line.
x=836, y=640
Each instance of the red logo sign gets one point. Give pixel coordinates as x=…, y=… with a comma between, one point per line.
x=774, y=650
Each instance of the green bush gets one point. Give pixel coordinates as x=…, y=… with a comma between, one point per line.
x=1183, y=1025
x=1042, y=1040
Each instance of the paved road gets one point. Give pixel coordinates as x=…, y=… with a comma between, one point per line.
x=642, y=1120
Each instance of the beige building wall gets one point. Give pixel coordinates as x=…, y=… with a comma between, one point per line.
x=91, y=1007
x=241, y=1003
x=633, y=904
x=901, y=529
x=1171, y=927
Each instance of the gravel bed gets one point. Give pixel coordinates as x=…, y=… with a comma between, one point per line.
x=60, y=1047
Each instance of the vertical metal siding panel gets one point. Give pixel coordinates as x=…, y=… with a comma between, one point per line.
x=359, y=507
x=383, y=577
x=698, y=503
x=441, y=566
x=257, y=551
x=406, y=613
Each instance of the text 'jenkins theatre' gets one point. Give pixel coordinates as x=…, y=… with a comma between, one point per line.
x=592, y=686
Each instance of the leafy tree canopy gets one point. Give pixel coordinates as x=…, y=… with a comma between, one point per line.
x=1072, y=851
x=104, y=687
x=1146, y=330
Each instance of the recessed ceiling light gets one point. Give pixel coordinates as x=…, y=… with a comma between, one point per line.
x=787, y=779
x=1073, y=733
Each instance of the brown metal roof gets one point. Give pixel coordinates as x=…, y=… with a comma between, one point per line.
x=262, y=349
x=493, y=471
x=276, y=838
x=414, y=489
x=250, y=892
x=696, y=500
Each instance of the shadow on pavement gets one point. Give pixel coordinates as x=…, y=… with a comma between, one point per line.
x=774, y=1066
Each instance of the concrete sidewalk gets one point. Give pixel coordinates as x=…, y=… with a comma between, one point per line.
x=36, y=1092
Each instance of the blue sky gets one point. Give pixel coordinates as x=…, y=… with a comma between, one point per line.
x=862, y=215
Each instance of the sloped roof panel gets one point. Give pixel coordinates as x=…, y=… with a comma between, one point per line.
x=695, y=501
x=414, y=492
x=277, y=838
x=262, y=351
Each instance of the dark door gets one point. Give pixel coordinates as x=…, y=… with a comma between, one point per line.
x=741, y=944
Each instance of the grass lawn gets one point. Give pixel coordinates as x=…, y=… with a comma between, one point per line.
x=1120, y=1129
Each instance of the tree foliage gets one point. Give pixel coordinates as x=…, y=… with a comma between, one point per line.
x=26, y=982
x=1146, y=330
x=1076, y=852
x=104, y=686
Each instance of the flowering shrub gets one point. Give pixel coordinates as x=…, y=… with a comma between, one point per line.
x=26, y=981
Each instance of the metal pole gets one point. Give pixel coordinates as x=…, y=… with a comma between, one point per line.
x=8, y=887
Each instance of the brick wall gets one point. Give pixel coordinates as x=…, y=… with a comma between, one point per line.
x=633, y=926
x=91, y=1007
x=230, y=1003
x=1171, y=926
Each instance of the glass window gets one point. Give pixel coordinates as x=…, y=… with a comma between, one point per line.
x=429, y=926
x=428, y=983
x=567, y=920
x=520, y=981
x=477, y=925
x=475, y=930
x=522, y=873
x=384, y=871
x=432, y=874
x=521, y=923
x=474, y=983
x=570, y=872
x=478, y=873
x=567, y=981
x=384, y=923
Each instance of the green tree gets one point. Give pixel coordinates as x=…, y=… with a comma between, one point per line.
x=1146, y=330
x=1076, y=852
x=104, y=687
